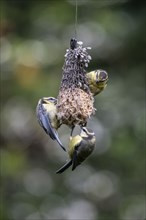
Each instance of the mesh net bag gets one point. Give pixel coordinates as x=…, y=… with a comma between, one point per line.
x=75, y=101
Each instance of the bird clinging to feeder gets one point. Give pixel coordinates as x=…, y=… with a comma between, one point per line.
x=47, y=117
x=97, y=80
x=75, y=100
x=80, y=147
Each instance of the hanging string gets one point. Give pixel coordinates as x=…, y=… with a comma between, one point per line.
x=76, y=18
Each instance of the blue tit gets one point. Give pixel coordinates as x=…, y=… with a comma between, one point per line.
x=47, y=117
x=80, y=147
x=97, y=80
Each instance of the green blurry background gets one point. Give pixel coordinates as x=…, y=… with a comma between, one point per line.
x=110, y=184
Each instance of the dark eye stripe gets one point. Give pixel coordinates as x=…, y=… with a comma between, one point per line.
x=88, y=131
x=103, y=75
x=51, y=99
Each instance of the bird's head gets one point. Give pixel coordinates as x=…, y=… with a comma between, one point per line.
x=101, y=76
x=87, y=132
x=48, y=100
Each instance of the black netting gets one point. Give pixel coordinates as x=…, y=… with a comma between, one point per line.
x=75, y=101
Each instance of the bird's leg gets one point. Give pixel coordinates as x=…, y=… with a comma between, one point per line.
x=72, y=129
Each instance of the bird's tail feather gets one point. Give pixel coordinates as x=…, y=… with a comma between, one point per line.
x=58, y=140
x=64, y=167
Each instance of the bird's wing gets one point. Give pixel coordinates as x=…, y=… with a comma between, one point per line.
x=74, y=160
x=64, y=167
x=42, y=119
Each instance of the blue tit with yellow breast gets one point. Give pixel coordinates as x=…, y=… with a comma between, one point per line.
x=97, y=80
x=46, y=112
x=80, y=147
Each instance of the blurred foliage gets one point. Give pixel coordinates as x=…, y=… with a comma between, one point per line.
x=111, y=183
